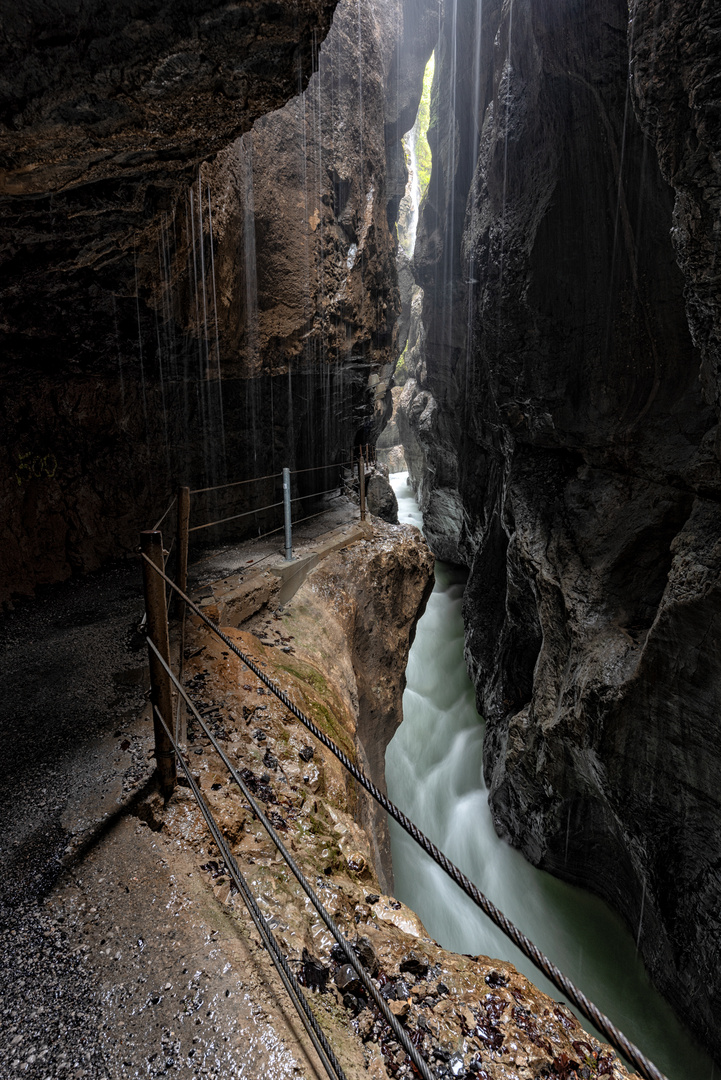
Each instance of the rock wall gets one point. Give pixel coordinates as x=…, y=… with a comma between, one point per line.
x=304, y=236
x=558, y=414
x=171, y=321
x=105, y=117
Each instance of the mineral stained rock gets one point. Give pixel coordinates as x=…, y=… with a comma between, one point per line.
x=555, y=420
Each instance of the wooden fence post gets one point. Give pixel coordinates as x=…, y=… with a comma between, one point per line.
x=182, y=539
x=362, y=485
x=161, y=694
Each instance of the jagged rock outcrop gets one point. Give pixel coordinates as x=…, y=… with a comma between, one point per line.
x=559, y=403
x=381, y=498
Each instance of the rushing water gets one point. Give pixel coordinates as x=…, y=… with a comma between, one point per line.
x=434, y=773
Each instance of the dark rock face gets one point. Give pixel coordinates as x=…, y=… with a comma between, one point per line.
x=557, y=411
x=139, y=348
x=105, y=116
x=381, y=499
x=674, y=80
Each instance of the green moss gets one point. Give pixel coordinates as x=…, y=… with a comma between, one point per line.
x=400, y=375
x=321, y=711
x=423, y=150
x=307, y=674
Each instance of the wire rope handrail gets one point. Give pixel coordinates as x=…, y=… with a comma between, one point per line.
x=246, y=513
x=235, y=483
x=399, y=1032
x=269, y=476
x=315, y=494
x=319, y=468
x=323, y=1049
x=308, y=517
x=260, y=509
x=526, y=946
x=162, y=519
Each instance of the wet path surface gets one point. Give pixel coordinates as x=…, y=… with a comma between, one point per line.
x=70, y=675
x=106, y=963
x=76, y=996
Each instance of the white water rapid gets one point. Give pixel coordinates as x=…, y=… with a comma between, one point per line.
x=434, y=773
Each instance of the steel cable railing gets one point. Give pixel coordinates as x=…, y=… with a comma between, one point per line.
x=526, y=946
x=323, y=1049
x=392, y=1021
x=235, y=517
x=321, y=468
x=260, y=509
x=162, y=519
x=235, y=483
x=299, y=521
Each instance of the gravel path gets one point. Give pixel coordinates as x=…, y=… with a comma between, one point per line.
x=75, y=747
x=71, y=675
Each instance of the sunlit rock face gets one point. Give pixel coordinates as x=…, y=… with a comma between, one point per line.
x=304, y=228
x=558, y=411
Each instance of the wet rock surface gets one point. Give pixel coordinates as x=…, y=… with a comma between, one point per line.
x=155, y=307
x=563, y=446
x=381, y=498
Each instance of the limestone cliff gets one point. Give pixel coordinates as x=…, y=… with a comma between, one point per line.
x=559, y=415
x=349, y=627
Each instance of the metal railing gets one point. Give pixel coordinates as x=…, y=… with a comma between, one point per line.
x=167, y=694
x=152, y=565
x=165, y=685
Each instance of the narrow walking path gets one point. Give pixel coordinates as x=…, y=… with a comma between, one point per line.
x=75, y=748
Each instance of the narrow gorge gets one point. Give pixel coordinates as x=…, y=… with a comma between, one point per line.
x=275, y=251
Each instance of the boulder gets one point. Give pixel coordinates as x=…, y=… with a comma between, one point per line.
x=381, y=498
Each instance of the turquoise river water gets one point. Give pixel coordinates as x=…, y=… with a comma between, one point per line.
x=434, y=773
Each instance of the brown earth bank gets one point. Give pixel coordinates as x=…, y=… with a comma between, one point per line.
x=184, y=981
x=560, y=424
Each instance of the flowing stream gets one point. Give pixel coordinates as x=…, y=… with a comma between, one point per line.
x=434, y=773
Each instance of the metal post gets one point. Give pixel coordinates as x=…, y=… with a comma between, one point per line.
x=286, y=515
x=362, y=485
x=161, y=695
